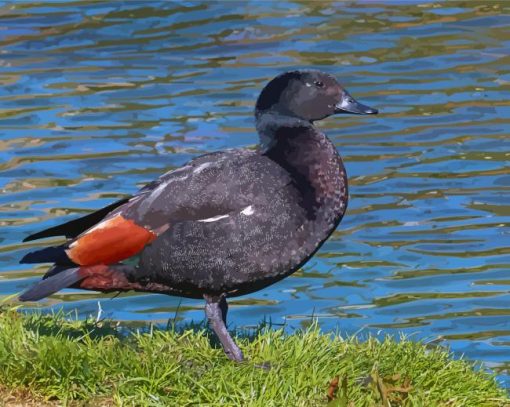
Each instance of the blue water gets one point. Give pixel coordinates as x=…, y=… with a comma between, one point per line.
x=98, y=98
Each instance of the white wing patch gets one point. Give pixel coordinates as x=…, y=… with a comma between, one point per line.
x=248, y=211
x=214, y=218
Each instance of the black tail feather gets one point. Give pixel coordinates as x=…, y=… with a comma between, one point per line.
x=55, y=254
x=51, y=285
x=74, y=227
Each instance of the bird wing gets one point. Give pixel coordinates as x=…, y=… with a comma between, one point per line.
x=208, y=186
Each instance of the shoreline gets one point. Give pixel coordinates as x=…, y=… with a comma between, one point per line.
x=57, y=359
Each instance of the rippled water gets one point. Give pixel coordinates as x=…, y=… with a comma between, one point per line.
x=97, y=99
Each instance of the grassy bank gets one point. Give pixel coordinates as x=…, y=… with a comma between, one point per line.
x=51, y=360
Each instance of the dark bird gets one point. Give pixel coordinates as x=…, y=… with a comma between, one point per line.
x=225, y=224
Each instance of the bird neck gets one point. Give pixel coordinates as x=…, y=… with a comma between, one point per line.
x=274, y=127
x=307, y=155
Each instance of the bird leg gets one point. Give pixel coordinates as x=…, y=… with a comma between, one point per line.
x=216, y=308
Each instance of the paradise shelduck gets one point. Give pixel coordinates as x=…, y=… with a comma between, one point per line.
x=225, y=224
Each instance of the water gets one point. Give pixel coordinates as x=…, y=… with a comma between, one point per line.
x=96, y=99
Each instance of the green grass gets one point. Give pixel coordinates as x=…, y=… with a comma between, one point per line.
x=54, y=360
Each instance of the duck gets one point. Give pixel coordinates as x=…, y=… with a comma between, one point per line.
x=225, y=224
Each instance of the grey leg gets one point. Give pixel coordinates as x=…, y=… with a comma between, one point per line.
x=216, y=308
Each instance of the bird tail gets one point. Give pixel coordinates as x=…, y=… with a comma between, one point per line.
x=101, y=277
x=53, y=283
x=55, y=254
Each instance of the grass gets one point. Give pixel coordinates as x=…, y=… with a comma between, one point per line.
x=53, y=360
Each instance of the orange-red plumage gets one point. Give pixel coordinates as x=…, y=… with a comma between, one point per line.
x=100, y=277
x=109, y=242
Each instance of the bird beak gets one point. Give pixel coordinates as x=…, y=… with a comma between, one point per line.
x=349, y=105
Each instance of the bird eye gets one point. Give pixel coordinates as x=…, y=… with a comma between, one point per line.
x=319, y=84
